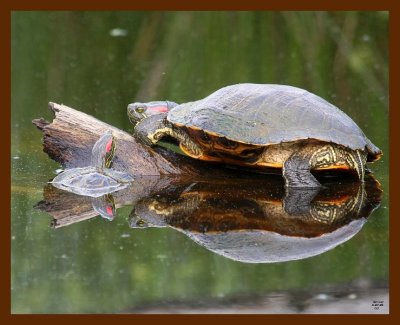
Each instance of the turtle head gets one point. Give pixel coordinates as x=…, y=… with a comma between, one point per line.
x=139, y=111
x=103, y=151
x=104, y=206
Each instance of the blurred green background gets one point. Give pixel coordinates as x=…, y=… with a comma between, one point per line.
x=98, y=62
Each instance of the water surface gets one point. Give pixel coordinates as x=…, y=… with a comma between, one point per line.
x=98, y=62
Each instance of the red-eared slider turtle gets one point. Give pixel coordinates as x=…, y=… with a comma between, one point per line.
x=97, y=179
x=263, y=126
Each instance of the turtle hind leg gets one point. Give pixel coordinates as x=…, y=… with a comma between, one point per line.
x=296, y=172
x=356, y=161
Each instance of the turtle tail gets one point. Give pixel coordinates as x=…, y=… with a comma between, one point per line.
x=374, y=153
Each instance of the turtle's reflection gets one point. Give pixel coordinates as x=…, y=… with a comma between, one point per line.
x=260, y=224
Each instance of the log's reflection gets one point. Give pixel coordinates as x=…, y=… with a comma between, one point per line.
x=258, y=222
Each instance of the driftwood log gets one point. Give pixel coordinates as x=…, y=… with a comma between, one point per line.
x=69, y=139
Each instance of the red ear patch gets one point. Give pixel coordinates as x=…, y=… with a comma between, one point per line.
x=109, y=145
x=109, y=210
x=158, y=109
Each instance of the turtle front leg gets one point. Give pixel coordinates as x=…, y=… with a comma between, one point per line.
x=296, y=172
x=153, y=128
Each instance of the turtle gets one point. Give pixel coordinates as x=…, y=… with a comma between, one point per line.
x=97, y=179
x=261, y=126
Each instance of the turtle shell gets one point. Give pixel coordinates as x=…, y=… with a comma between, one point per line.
x=267, y=114
x=88, y=181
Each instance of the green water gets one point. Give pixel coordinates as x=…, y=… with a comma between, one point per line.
x=98, y=62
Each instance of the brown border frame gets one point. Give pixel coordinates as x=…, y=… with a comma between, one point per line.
x=7, y=6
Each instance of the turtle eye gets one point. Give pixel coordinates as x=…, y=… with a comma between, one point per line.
x=140, y=223
x=140, y=109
